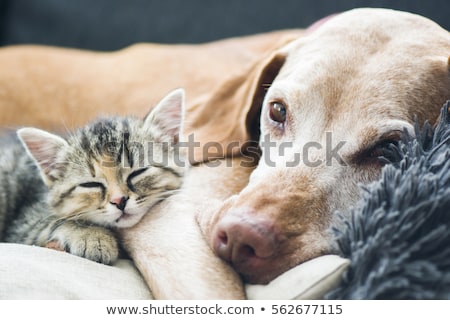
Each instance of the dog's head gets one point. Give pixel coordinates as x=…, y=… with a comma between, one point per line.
x=339, y=97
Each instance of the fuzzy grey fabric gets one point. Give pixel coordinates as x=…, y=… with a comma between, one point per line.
x=398, y=236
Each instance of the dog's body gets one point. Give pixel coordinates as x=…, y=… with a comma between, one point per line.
x=362, y=76
x=53, y=88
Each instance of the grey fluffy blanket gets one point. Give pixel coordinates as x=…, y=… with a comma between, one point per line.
x=398, y=235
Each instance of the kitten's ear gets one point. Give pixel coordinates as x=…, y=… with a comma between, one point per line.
x=167, y=116
x=43, y=147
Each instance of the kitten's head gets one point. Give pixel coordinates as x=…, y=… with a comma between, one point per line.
x=112, y=171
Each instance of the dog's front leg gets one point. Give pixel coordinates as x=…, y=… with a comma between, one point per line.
x=168, y=246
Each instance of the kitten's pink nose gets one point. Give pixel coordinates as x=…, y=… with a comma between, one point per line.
x=120, y=202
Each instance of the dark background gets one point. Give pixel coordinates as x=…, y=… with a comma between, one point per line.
x=114, y=24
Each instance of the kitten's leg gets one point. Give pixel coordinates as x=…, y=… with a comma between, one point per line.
x=91, y=242
x=38, y=226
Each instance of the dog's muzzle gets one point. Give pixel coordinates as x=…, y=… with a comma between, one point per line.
x=250, y=245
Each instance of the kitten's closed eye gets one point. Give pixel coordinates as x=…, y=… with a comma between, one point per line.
x=133, y=175
x=136, y=173
x=92, y=184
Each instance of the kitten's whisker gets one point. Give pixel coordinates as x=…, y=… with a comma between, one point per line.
x=153, y=198
x=50, y=218
x=84, y=214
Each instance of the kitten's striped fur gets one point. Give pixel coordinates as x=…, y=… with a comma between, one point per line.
x=72, y=193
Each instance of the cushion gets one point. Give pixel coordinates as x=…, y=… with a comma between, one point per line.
x=38, y=273
x=309, y=280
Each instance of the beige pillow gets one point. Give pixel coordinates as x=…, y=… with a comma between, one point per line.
x=37, y=273
x=310, y=280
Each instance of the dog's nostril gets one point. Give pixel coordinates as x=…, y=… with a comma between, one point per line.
x=246, y=252
x=223, y=237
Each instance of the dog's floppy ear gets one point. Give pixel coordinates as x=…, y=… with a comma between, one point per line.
x=230, y=115
x=444, y=91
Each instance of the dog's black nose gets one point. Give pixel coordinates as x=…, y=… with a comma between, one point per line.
x=246, y=243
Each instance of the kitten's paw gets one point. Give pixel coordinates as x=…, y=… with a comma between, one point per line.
x=93, y=243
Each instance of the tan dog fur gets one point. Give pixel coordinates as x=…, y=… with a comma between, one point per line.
x=53, y=88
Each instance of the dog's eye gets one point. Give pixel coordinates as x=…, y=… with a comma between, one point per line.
x=277, y=112
x=384, y=152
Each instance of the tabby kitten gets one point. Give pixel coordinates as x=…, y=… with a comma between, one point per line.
x=70, y=194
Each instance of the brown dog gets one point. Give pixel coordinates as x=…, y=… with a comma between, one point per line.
x=362, y=76
x=342, y=95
